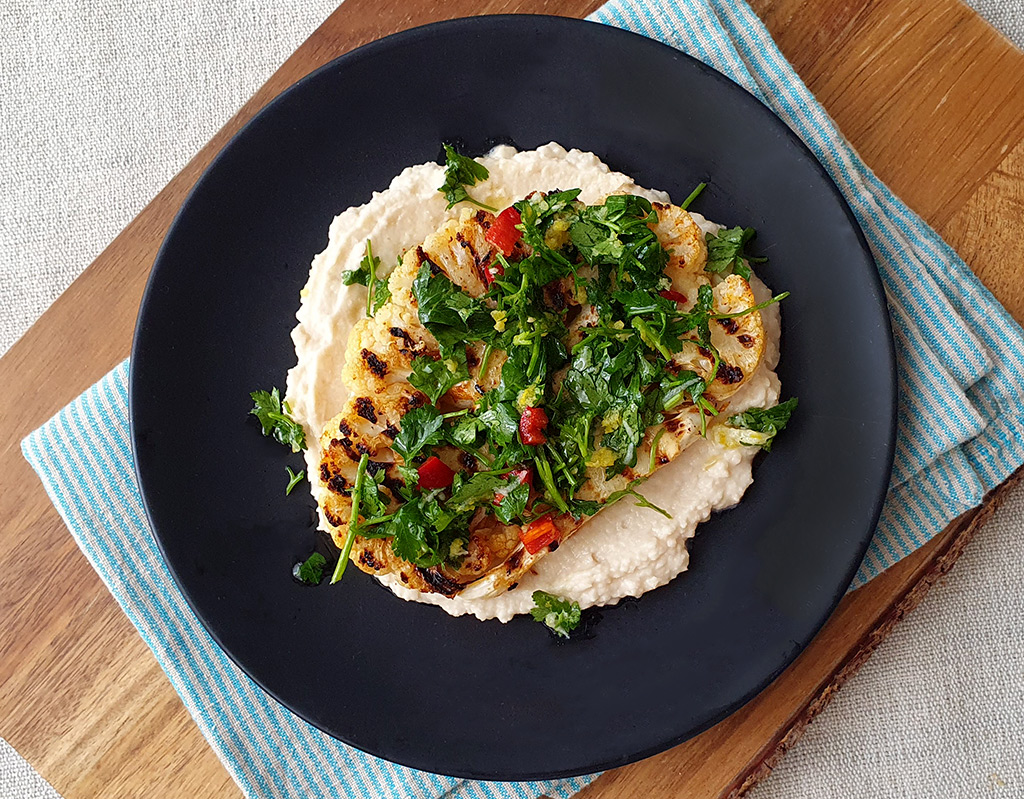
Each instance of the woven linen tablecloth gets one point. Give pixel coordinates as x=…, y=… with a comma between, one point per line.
x=995, y=780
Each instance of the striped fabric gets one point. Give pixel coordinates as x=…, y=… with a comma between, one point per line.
x=84, y=458
x=960, y=434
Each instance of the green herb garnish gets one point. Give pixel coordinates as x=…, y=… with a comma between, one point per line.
x=725, y=252
x=770, y=421
x=449, y=313
x=559, y=615
x=293, y=479
x=353, y=524
x=601, y=399
x=435, y=378
x=616, y=234
x=421, y=427
x=311, y=571
x=377, y=291
x=275, y=419
x=461, y=171
x=685, y=204
x=423, y=530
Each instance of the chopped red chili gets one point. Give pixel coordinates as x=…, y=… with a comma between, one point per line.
x=531, y=426
x=435, y=474
x=503, y=233
x=539, y=533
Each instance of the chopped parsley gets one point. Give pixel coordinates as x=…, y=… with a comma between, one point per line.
x=311, y=571
x=275, y=419
x=436, y=378
x=570, y=398
x=725, y=252
x=293, y=479
x=615, y=235
x=461, y=171
x=421, y=427
x=377, y=291
x=559, y=615
x=616, y=382
x=769, y=421
x=449, y=313
x=422, y=531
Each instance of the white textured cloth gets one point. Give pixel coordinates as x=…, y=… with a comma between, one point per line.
x=18, y=780
x=938, y=710
x=101, y=105
x=1006, y=15
x=104, y=101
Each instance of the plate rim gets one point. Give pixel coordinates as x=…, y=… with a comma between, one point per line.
x=395, y=40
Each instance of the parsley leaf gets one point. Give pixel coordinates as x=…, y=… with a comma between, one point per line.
x=465, y=431
x=575, y=429
x=461, y=171
x=311, y=571
x=422, y=531
x=275, y=419
x=617, y=234
x=636, y=302
x=381, y=294
x=411, y=477
x=545, y=207
x=377, y=290
x=437, y=378
x=358, y=276
x=293, y=479
x=479, y=488
x=559, y=615
x=449, y=313
x=511, y=500
x=538, y=213
x=595, y=245
x=372, y=502
x=502, y=423
x=685, y=385
x=421, y=427
x=765, y=420
x=725, y=252
x=411, y=533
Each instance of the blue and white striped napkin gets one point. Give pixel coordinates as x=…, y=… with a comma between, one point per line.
x=960, y=435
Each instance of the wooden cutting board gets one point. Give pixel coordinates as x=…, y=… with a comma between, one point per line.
x=931, y=96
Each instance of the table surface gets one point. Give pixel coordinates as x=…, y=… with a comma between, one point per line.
x=80, y=695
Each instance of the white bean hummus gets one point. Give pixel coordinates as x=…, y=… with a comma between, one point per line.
x=623, y=551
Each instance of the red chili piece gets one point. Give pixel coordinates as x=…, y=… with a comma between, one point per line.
x=675, y=296
x=531, y=426
x=539, y=533
x=435, y=474
x=503, y=233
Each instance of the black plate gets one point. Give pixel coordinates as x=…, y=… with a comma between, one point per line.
x=406, y=681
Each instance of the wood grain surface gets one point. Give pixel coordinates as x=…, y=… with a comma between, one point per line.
x=931, y=96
